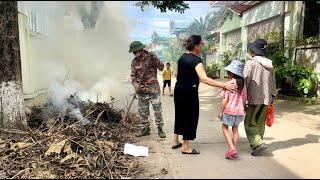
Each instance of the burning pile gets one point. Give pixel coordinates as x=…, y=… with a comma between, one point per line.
x=64, y=145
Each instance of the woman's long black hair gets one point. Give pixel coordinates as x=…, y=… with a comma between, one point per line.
x=239, y=81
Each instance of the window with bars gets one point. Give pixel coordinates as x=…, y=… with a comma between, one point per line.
x=38, y=21
x=33, y=20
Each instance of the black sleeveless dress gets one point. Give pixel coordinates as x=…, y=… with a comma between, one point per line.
x=186, y=97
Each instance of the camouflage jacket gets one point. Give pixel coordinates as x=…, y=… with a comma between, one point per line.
x=149, y=82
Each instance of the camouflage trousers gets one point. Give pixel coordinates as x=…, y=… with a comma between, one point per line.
x=144, y=112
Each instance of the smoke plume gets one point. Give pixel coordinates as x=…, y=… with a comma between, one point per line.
x=92, y=61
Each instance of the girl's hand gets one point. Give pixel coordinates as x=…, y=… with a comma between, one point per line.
x=231, y=86
x=220, y=115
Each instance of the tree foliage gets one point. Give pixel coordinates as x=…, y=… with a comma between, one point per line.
x=203, y=26
x=177, y=6
x=213, y=19
x=156, y=39
x=175, y=49
x=198, y=26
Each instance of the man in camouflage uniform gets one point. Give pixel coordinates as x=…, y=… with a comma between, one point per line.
x=144, y=79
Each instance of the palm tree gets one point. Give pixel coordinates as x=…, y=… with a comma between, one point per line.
x=213, y=18
x=198, y=26
x=204, y=26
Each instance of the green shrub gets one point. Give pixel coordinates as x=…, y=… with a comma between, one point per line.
x=304, y=86
x=304, y=79
x=225, y=58
x=309, y=41
x=292, y=79
x=213, y=70
x=273, y=36
x=278, y=59
x=273, y=53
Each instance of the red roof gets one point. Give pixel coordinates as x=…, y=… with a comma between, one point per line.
x=239, y=8
x=245, y=5
x=222, y=3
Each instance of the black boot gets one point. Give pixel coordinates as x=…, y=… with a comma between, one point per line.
x=144, y=132
x=161, y=133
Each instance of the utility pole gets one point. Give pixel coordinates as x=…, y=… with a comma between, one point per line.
x=12, y=112
x=282, y=16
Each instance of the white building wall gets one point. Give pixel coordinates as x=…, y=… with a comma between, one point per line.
x=34, y=25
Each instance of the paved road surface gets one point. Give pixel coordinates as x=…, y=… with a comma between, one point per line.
x=294, y=148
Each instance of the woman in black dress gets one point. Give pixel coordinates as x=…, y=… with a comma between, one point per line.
x=186, y=99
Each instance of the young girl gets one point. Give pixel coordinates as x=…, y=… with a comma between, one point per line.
x=233, y=107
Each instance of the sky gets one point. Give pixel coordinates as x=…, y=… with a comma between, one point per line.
x=145, y=23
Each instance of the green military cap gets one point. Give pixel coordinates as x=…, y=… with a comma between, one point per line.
x=136, y=46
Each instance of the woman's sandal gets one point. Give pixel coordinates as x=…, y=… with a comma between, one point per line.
x=176, y=146
x=192, y=152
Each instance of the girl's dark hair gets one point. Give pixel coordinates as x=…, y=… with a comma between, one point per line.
x=192, y=41
x=239, y=81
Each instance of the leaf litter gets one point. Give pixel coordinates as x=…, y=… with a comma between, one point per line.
x=56, y=145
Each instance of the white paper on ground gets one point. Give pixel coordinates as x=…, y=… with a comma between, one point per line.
x=135, y=150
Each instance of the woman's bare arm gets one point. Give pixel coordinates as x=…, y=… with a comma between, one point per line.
x=205, y=79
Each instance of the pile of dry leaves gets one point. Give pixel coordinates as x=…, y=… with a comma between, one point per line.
x=57, y=145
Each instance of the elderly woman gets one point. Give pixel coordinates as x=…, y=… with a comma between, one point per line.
x=261, y=90
x=190, y=72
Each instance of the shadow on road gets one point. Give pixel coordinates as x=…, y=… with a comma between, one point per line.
x=289, y=106
x=274, y=146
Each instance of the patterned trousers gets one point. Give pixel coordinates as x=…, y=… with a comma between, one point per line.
x=144, y=112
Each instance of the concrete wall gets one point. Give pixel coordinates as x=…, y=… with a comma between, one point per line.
x=231, y=23
x=261, y=12
x=212, y=58
x=232, y=40
x=261, y=29
x=263, y=19
x=297, y=9
x=309, y=56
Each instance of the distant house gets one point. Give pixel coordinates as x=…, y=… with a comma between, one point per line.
x=245, y=21
x=249, y=20
x=230, y=27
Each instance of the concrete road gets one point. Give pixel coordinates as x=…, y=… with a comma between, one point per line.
x=294, y=148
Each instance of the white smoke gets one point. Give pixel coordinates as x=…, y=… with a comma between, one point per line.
x=59, y=97
x=77, y=113
x=97, y=60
